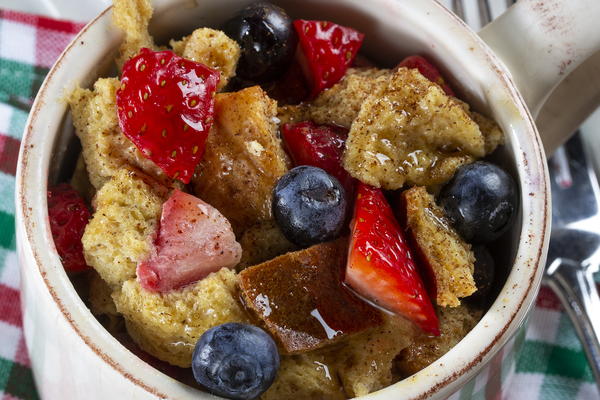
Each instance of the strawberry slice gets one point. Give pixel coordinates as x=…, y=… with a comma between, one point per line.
x=380, y=264
x=194, y=239
x=319, y=146
x=165, y=107
x=68, y=215
x=326, y=51
x=428, y=70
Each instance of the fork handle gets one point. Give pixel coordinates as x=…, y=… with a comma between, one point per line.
x=576, y=289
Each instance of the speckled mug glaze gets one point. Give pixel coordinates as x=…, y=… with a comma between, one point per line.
x=74, y=357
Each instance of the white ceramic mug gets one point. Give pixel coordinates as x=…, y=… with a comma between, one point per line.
x=73, y=356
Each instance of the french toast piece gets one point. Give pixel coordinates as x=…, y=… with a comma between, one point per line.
x=365, y=363
x=243, y=158
x=212, y=48
x=340, y=104
x=301, y=300
x=440, y=247
x=105, y=149
x=117, y=237
x=409, y=131
x=305, y=376
x=101, y=302
x=455, y=323
x=168, y=325
x=492, y=134
x=132, y=17
x=263, y=242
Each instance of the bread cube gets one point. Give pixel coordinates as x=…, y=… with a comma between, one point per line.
x=441, y=248
x=118, y=236
x=409, y=131
x=262, y=242
x=168, y=325
x=243, y=159
x=212, y=48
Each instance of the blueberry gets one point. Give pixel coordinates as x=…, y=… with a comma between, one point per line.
x=309, y=206
x=481, y=201
x=484, y=273
x=236, y=361
x=267, y=38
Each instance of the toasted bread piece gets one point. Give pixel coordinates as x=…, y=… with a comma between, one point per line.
x=118, y=235
x=101, y=302
x=104, y=147
x=243, y=158
x=340, y=104
x=365, y=363
x=263, y=242
x=492, y=134
x=305, y=376
x=441, y=248
x=168, y=325
x=409, y=131
x=300, y=298
x=455, y=323
x=212, y=48
x=133, y=17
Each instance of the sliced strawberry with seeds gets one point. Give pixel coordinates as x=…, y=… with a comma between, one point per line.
x=380, y=264
x=165, y=107
x=194, y=239
x=326, y=51
x=428, y=70
x=68, y=216
x=319, y=146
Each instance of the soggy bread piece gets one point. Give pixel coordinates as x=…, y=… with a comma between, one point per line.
x=455, y=323
x=305, y=376
x=492, y=134
x=263, y=242
x=212, y=48
x=117, y=237
x=243, y=158
x=409, y=131
x=168, y=325
x=340, y=104
x=365, y=363
x=101, y=302
x=301, y=300
x=105, y=148
x=449, y=257
x=132, y=17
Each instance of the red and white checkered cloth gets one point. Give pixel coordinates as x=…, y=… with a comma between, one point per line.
x=550, y=364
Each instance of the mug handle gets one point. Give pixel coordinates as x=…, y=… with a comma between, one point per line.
x=543, y=42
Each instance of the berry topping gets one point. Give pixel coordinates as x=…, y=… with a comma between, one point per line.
x=309, y=206
x=236, y=361
x=165, y=107
x=428, y=70
x=268, y=41
x=193, y=240
x=380, y=264
x=68, y=215
x=327, y=50
x=481, y=201
x=320, y=146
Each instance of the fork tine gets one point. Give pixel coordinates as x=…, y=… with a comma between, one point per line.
x=459, y=9
x=485, y=12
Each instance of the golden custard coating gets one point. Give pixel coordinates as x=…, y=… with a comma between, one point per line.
x=106, y=150
x=243, y=159
x=409, y=131
x=117, y=237
x=306, y=376
x=455, y=323
x=450, y=258
x=168, y=325
x=365, y=364
x=212, y=48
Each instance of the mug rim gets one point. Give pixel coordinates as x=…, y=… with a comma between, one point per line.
x=531, y=165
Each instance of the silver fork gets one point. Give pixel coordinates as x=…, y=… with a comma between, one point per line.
x=574, y=253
